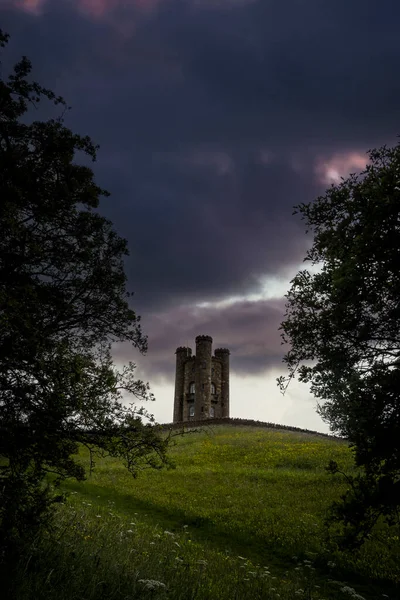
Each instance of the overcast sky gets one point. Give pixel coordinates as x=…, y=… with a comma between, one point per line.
x=214, y=118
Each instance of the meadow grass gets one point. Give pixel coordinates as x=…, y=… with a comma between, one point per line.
x=240, y=516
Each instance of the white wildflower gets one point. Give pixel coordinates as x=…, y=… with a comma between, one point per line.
x=152, y=584
x=352, y=592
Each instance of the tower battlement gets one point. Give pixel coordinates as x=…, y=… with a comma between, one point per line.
x=204, y=338
x=201, y=382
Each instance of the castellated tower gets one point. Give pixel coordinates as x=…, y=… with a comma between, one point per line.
x=201, y=382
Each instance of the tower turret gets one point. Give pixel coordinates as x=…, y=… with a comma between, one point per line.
x=203, y=377
x=223, y=355
x=181, y=357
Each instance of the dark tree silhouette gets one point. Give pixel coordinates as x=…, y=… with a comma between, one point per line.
x=343, y=325
x=63, y=302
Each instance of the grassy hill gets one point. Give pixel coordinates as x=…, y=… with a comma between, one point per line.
x=239, y=517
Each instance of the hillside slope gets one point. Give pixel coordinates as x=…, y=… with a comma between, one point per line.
x=248, y=491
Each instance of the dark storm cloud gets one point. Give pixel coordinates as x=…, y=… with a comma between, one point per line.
x=248, y=329
x=212, y=121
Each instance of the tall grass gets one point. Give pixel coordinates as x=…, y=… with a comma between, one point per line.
x=241, y=516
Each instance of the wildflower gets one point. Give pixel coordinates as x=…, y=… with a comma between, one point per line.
x=242, y=558
x=176, y=544
x=352, y=592
x=168, y=533
x=129, y=531
x=132, y=523
x=152, y=584
x=152, y=544
x=98, y=516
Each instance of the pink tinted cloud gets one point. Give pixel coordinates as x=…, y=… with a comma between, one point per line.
x=330, y=170
x=96, y=9
x=33, y=7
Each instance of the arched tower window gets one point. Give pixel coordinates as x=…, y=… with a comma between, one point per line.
x=212, y=412
x=191, y=411
x=213, y=388
x=192, y=388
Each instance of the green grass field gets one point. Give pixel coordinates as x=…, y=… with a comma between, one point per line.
x=239, y=517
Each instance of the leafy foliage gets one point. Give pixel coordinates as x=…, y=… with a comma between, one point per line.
x=63, y=302
x=343, y=324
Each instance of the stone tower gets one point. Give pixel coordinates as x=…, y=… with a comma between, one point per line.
x=201, y=382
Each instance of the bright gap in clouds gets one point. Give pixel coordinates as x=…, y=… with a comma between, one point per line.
x=253, y=397
x=270, y=288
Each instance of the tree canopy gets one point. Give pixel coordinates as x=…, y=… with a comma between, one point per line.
x=342, y=322
x=63, y=303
